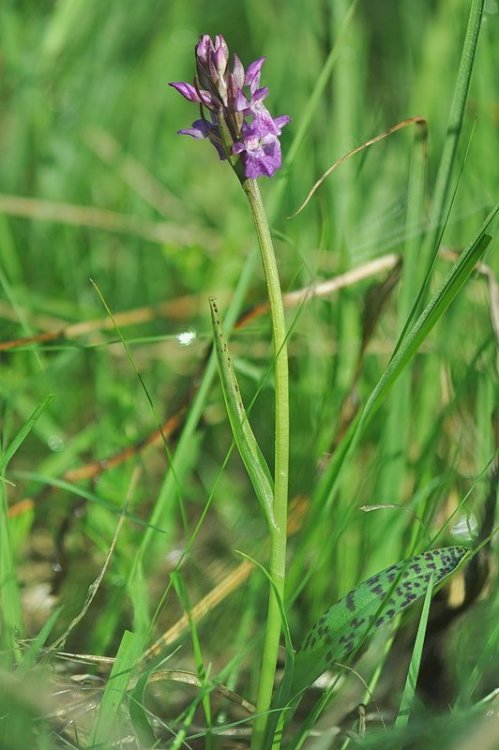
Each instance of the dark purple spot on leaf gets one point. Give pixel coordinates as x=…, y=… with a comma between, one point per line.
x=350, y=601
x=357, y=622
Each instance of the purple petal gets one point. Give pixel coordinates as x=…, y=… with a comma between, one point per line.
x=192, y=94
x=187, y=90
x=281, y=121
x=263, y=122
x=261, y=154
x=204, y=129
x=199, y=129
x=238, y=147
x=203, y=48
x=264, y=161
x=252, y=78
x=239, y=102
x=260, y=94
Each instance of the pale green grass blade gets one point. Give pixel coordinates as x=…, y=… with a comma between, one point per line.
x=138, y=712
x=35, y=648
x=23, y=433
x=318, y=92
x=398, y=435
x=86, y=495
x=183, y=595
x=10, y=597
x=179, y=741
x=344, y=627
x=10, y=295
x=452, y=285
x=129, y=651
x=247, y=445
x=413, y=671
x=441, y=199
x=347, y=81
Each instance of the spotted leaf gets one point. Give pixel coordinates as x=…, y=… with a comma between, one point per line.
x=345, y=625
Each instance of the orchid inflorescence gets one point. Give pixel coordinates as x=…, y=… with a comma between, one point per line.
x=238, y=124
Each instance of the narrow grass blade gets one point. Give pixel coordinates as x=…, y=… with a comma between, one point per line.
x=277, y=717
x=244, y=437
x=412, y=674
x=31, y=655
x=23, y=433
x=407, y=348
x=454, y=282
x=11, y=617
x=138, y=713
x=128, y=653
x=317, y=94
x=441, y=199
x=86, y=495
x=344, y=627
x=397, y=434
x=183, y=595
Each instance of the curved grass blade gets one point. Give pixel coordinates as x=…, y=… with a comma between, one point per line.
x=415, y=663
x=441, y=202
x=248, y=448
x=11, y=611
x=115, y=691
x=345, y=625
x=405, y=350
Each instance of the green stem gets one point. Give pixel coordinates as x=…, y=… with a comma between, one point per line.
x=277, y=564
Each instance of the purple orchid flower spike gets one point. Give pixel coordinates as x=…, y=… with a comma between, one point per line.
x=238, y=124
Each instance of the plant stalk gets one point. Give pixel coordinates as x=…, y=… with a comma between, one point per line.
x=277, y=563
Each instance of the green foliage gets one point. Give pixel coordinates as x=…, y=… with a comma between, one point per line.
x=108, y=716
x=248, y=447
x=95, y=183
x=345, y=626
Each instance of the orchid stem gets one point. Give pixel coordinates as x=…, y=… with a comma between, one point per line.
x=277, y=563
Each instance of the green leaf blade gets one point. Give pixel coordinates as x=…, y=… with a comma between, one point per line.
x=108, y=715
x=345, y=625
x=246, y=442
